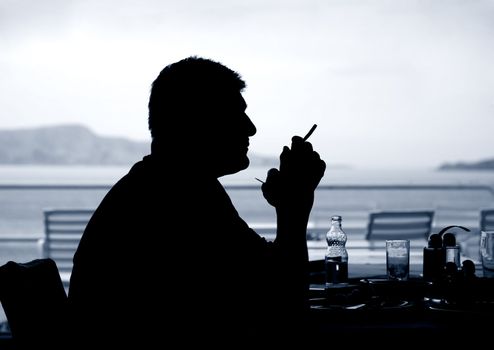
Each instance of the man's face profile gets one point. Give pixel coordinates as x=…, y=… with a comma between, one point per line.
x=229, y=133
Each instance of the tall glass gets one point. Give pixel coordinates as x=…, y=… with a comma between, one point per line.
x=398, y=259
x=487, y=252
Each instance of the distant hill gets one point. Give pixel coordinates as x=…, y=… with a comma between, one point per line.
x=77, y=145
x=67, y=145
x=480, y=165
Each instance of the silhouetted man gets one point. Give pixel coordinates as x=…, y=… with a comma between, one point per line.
x=166, y=256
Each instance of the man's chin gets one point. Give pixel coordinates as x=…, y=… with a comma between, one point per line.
x=240, y=165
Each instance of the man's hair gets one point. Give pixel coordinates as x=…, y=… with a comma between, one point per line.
x=184, y=88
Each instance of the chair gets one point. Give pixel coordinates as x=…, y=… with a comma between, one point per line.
x=399, y=225
x=35, y=303
x=486, y=220
x=63, y=231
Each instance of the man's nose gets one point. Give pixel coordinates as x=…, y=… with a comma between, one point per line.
x=251, y=128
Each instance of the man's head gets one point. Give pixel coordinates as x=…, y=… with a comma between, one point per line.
x=197, y=113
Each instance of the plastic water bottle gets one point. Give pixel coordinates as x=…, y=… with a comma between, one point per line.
x=336, y=259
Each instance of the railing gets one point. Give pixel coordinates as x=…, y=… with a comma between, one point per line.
x=22, y=205
x=452, y=204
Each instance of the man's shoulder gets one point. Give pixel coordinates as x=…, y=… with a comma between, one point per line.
x=141, y=173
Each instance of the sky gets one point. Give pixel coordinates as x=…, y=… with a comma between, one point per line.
x=390, y=83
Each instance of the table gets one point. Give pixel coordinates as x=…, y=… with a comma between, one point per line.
x=376, y=308
x=372, y=308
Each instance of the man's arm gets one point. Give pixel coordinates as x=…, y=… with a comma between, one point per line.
x=291, y=191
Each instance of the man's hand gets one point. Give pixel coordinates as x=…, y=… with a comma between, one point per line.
x=293, y=185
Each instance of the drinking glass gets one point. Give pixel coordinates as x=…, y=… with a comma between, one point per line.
x=398, y=259
x=487, y=252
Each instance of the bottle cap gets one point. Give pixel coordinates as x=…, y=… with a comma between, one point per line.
x=435, y=241
x=468, y=267
x=449, y=240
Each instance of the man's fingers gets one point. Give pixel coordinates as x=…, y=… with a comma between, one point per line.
x=272, y=173
x=271, y=178
x=300, y=146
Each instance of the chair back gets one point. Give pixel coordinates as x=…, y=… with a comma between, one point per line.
x=35, y=303
x=399, y=225
x=63, y=231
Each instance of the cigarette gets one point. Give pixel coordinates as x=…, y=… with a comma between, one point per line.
x=305, y=139
x=310, y=132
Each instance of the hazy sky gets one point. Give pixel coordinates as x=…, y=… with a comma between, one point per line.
x=398, y=83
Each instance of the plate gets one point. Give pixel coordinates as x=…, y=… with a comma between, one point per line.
x=324, y=304
x=395, y=304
